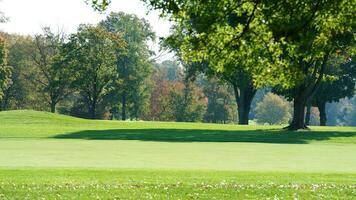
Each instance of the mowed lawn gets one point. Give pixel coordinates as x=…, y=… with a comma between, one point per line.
x=50, y=156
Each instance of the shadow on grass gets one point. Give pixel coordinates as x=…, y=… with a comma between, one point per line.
x=194, y=135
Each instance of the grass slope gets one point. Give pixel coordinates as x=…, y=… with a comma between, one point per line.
x=60, y=157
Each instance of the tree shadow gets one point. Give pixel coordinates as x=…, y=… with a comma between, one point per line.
x=201, y=135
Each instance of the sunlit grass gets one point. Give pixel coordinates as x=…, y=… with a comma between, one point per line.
x=50, y=156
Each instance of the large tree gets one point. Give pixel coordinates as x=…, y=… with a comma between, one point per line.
x=92, y=54
x=309, y=35
x=134, y=66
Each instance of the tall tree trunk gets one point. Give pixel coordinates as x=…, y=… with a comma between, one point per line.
x=243, y=99
x=123, y=103
x=322, y=111
x=307, y=114
x=298, y=113
x=305, y=93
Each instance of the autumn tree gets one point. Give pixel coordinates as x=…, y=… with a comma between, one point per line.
x=187, y=102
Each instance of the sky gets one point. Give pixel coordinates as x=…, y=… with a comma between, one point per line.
x=29, y=16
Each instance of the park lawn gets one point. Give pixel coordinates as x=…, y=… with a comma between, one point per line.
x=60, y=157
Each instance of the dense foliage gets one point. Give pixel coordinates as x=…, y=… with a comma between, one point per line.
x=227, y=52
x=92, y=53
x=131, y=87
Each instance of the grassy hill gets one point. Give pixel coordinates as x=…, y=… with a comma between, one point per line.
x=45, y=154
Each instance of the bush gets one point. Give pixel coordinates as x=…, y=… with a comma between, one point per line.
x=273, y=110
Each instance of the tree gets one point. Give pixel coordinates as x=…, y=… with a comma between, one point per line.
x=5, y=70
x=50, y=75
x=175, y=99
x=221, y=107
x=134, y=67
x=229, y=39
x=187, y=102
x=309, y=35
x=20, y=92
x=92, y=53
x=339, y=83
x=273, y=110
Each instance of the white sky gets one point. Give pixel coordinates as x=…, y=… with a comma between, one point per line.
x=28, y=16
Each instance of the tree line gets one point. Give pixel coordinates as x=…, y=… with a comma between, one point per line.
x=105, y=71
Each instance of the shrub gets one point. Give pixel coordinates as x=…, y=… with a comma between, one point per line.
x=273, y=110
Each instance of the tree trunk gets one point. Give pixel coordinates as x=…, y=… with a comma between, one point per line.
x=243, y=100
x=298, y=113
x=92, y=110
x=243, y=112
x=53, y=106
x=322, y=111
x=307, y=115
x=123, y=102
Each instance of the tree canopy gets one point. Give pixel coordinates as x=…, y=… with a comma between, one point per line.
x=134, y=65
x=92, y=53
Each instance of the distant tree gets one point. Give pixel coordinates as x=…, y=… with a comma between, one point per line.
x=175, y=100
x=50, y=76
x=349, y=113
x=273, y=110
x=20, y=92
x=221, y=107
x=5, y=70
x=187, y=102
x=340, y=113
x=92, y=53
x=159, y=108
x=134, y=66
x=171, y=69
x=260, y=94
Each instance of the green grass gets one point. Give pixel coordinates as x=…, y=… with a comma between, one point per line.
x=60, y=157
x=139, y=184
